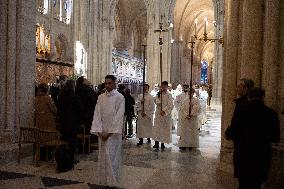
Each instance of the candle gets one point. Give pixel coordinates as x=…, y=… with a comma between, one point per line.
x=205, y=22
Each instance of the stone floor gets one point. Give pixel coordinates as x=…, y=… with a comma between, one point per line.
x=143, y=168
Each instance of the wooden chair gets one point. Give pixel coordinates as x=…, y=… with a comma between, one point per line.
x=83, y=137
x=37, y=137
x=28, y=135
x=50, y=139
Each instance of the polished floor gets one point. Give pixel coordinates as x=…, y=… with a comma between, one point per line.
x=143, y=168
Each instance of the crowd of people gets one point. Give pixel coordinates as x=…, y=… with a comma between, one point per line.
x=64, y=107
x=108, y=115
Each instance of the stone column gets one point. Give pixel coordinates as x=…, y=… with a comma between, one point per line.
x=153, y=49
x=3, y=67
x=281, y=75
x=17, y=70
x=51, y=34
x=154, y=12
x=271, y=53
x=229, y=79
x=217, y=71
x=101, y=39
x=252, y=40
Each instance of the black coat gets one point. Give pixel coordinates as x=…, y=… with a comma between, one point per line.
x=88, y=100
x=69, y=111
x=253, y=128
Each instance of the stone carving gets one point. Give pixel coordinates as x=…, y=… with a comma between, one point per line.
x=127, y=67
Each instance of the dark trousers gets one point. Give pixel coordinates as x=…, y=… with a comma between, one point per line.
x=130, y=126
x=71, y=139
x=249, y=183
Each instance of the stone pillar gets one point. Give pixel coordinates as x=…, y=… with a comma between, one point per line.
x=153, y=48
x=281, y=75
x=270, y=69
x=3, y=68
x=101, y=39
x=229, y=79
x=52, y=34
x=252, y=40
x=217, y=71
x=17, y=57
x=154, y=12
x=176, y=62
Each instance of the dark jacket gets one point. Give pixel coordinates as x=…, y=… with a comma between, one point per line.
x=88, y=100
x=129, y=105
x=240, y=102
x=69, y=112
x=253, y=129
x=54, y=93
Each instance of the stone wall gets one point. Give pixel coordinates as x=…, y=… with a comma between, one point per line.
x=254, y=33
x=61, y=35
x=17, y=58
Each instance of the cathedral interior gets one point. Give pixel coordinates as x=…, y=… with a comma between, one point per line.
x=212, y=42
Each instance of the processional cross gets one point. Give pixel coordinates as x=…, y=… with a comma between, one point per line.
x=144, y=71
x=161, y=30
x=190, y=82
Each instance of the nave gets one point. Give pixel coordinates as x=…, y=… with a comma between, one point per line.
x=142, y=167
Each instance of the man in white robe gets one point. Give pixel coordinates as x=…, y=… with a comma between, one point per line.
x=145, y=118
x=178, y=102
x=163, y=117
x=203, y=101
x=189, y=133
x=108, y=125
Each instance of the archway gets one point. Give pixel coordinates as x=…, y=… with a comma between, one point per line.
x=196, y=20
x=130, y=31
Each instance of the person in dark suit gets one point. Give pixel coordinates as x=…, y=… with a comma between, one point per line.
x=253, y=130
x=69, y=111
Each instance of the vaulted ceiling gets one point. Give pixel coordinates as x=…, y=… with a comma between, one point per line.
x=130, y=15
x=185, y=14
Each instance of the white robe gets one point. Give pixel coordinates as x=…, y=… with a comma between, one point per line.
x=189, y=134
x=174, y=111
x=203, y=102
x=154, y=93
x=178, y=102
x=145, y=124
x=108, y=117
x=162, y=130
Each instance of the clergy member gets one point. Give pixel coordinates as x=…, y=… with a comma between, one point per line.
x=108, y=125
x=189, y=134
x=163, y=118
x=178, y=102
x=145, y=118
